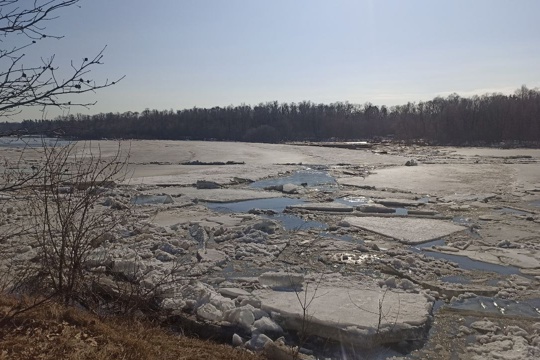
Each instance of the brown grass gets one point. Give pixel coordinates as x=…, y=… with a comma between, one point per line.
x=54, y=332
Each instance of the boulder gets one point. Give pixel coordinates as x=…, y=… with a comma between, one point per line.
x=204, y=184
x=257, y=342
x=209, y=312
x=242, y=316
x=411, y=162
x=266, y=325
x=375, y=208
x=291, y=189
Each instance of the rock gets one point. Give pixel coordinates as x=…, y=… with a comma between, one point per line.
x=131, y=269
x=344, y=223
x=23, y=249
x=397, y=202
x=65, y=189
x=390, y=282
x=259, y=314
x=465, y=330
x=266, y=226
x=411, y=162
x=209, y=312
x=282, y=280
x=277, y=350
x=254, y=236
x=169, y=248
x=99, y=257
x=114, y=204
x=274, y=188
x=222, y=303
x=152, y=199
x=233, y=293
x=98, y=241
x=194, y=295
x=257, y=342
x=507, y=244
x=291, y=189
x=251, y=300
x=485, y=326
x=516, y=331
x=199, y=234
x=267, y=326
x=215, y=257
x=237, y=340
x=262, y=212
x=184, y=244
x=375, y=208
x=329, y=207
x=242, y=316
x=203, y=184
x=164, y=256
x=488, y=217
x=406, y=284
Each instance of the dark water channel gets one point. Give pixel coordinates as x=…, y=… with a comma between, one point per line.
x=316, y=178
x=463, y=261
x=274, y=204
x=511, y=211
x=277, y=205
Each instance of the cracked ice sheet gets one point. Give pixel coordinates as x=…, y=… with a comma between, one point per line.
x=406, y=230
x=352, y=315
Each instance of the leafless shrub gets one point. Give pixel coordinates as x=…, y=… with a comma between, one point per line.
x=66, y=221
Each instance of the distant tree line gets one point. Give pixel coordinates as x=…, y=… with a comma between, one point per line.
x=450, y=120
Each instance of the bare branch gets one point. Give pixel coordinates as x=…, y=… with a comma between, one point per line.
x=40, y=85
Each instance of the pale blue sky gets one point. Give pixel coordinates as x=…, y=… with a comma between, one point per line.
x=180, y=54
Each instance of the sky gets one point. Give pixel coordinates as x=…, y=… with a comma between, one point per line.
x=178, y=54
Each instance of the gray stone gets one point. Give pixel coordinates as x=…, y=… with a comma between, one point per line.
x=242, y=316
x=257, y=342
x=152, y=199
x=375, y=208
x=485, y=326
x=411, y=162
x=267, y=226
x=164, y=256
x=282, y=279
x=237, y=340
x=397, y=202
x=204, y=184
x=209, y=312
x=267, y=326
x=291, y=189
x=233, y=293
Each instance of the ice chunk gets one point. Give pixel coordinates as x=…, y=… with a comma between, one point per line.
x=209, y=312
x=281, y=279
x=242, y=316
x=267, y=326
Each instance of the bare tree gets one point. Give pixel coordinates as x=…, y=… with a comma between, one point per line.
x=23, y=24
x=66, y=221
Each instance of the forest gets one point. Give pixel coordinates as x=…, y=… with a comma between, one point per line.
x=451, y=120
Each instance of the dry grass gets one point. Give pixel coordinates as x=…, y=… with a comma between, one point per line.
x=54, y=332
